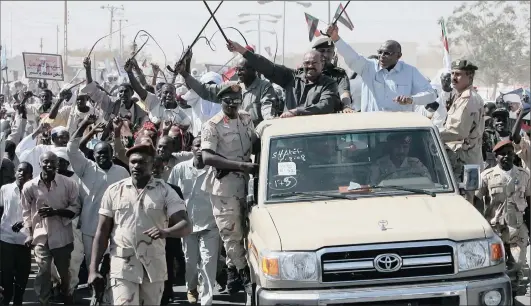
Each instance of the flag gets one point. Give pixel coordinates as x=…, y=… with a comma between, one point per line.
x=268, y=50
x=344, y=19
x=447, y=61
x=229, y=74
x=312, y=26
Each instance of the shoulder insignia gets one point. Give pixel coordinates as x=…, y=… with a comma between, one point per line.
x=217, y=118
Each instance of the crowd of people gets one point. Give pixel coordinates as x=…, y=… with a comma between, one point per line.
x=124, y=182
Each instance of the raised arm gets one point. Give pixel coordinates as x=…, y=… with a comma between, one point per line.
x=354, y=61
x=139, y=73
x=100, y=98
x=137, y=87
x=277, y=74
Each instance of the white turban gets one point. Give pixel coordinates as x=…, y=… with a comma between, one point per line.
x=60, y=152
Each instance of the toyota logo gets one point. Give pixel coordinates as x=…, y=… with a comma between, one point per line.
x=387, y=263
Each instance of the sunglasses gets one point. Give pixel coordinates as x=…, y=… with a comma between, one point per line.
x=232, y=100
x=385, y=53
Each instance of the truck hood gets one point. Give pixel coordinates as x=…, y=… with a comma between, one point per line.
x=348, y=222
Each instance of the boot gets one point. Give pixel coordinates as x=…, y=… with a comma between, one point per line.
x=192, y=296
x=234, y=282
x=245, y=275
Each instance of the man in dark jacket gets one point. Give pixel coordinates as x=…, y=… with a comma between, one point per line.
x=308, y=91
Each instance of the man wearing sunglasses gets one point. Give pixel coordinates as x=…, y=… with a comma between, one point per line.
x=226, y=145
x=388, y=84
x=326, y=47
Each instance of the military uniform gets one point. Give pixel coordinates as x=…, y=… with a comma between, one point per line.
x=138, y=263
x=336, y=73
x=231, y=139
x=507, y=191
x=463, y=130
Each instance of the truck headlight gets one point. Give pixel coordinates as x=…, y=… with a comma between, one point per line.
x=477, y=254
x=294, y=266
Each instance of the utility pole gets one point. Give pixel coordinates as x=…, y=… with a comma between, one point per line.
x=41, y=44
x=11, y=35
x=65, y=55
x=121, y=36
x=57, y=39
x=112, y=9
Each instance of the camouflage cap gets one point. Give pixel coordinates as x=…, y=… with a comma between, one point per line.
x=229, y=89
x=501, y=145
x=464, y=65
x=324, y=42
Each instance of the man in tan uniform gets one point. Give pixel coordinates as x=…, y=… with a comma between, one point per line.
x=463, y=130
x=398, y=164
x=507, y=186
x=226, y=144
x=137, y=214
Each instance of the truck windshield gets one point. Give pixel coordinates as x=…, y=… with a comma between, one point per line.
x=354, y=164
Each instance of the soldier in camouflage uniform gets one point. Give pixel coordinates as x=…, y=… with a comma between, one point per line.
x=397, y=164
x=325, y=46
x=507, y=187
x=226, y=144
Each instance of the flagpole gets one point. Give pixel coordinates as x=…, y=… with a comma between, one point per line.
x=329, y=13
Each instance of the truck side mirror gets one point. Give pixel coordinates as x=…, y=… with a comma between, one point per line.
x=471, y=180
x=250, y=193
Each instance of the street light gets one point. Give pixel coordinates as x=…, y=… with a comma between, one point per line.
x=259, y=21
x=301, y=3
x=270, y=32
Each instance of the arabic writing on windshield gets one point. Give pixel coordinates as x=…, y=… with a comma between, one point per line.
x=333, y=162
x=43, y=66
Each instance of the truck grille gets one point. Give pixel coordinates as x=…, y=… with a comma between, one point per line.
x=399, y=262
x=440, y=301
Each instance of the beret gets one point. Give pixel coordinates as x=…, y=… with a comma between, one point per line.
x=399, y=137
x=228, y=89
x=142, y=147
x=464, y=65
x=502, y=144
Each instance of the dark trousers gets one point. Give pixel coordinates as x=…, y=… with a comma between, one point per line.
x=15, y=267
x=174, y=250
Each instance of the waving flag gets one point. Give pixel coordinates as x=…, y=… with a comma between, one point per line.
x=268, y=50
x=312, y=26
x=344, y=19
x=447, y=61
x=227, y=76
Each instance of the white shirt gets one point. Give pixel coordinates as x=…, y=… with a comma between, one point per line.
x=28, y=151
x=158, y=113
x=381, y=86
x=93, y=183
x=198, y=205
x=10, y=200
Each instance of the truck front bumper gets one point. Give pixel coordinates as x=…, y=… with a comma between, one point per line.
x=468, y=292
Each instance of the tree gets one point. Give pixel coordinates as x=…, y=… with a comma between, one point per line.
x=495, y=35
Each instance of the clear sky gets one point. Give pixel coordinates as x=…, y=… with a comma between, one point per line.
x=24, y=23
